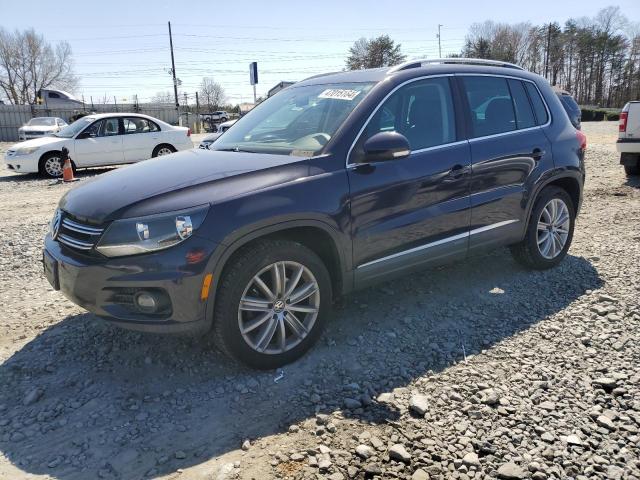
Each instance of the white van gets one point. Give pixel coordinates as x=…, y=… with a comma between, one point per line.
x=628, y=143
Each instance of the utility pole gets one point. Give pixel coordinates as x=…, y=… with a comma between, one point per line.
x=186, y=110
x=439, y=43
x=115, y=103
x=198, y=112
x=546, y=57
x=173, y=72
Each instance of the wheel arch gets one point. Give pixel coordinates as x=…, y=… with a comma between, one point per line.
x=154, y=152
x=49, y=152
x=568, y=181
x=318, y=236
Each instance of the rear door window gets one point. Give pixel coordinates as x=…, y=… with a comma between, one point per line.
x=491, y=107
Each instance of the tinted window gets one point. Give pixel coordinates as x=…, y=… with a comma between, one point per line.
x=491, y=106
x=524, y=112
x=538, y=104
x=53, y=95
x=422, y=111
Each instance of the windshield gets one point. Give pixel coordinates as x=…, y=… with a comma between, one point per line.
x=297, y=121
x=42, y=122
x=75, y=128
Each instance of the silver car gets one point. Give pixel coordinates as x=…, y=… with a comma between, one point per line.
x=40, y=127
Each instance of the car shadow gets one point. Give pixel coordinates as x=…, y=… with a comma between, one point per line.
x=85, y=399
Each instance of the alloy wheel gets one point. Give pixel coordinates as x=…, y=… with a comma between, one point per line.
x=279, y=307
x=553, y=228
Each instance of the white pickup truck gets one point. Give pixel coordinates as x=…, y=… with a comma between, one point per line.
x=628, y=143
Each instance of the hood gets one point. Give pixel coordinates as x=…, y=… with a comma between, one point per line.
x=43, y=128
x=177, y=181
x=211, y=137
x=38, y=142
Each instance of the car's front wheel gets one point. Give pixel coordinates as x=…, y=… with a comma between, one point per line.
x=51, y=165
x=272, y=304
x=549, y=232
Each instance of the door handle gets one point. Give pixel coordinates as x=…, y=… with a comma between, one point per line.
x=537, y=154
x=457, y=171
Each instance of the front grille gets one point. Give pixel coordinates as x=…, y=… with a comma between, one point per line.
x=78, y=236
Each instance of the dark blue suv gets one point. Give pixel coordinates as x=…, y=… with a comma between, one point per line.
x=335, y=183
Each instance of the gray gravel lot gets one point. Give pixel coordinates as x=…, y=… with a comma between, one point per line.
x=476, y=370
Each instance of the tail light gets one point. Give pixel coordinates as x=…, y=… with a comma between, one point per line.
x=188, y=132
x=582, y=138
x=622, y=126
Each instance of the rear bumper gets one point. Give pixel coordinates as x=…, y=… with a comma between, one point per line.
x=99, y=285
x=628, y=145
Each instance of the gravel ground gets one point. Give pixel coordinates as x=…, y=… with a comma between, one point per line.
x=476, y=370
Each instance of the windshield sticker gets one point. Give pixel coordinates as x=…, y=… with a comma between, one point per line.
x=339, y=94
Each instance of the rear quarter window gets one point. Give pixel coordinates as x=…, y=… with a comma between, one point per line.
x=539, y=108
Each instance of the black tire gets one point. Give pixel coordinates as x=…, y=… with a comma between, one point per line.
x=223, y=119
x=238, y=275
x=632, y=170
x=527, y=251
x=44, y=171
x=160, y=147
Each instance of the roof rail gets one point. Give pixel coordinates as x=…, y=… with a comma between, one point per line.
x=459, y=61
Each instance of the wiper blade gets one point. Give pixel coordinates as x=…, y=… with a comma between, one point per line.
x=233, y=149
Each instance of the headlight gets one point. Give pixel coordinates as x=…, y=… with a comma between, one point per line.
x=131, y=236
x=26, y=150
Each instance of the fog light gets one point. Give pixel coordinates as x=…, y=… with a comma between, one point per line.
x=146, y=302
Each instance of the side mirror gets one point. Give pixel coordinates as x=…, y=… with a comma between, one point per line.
x=385, y=146
x=85, y=134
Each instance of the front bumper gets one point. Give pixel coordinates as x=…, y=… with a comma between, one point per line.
x=22, y=163
x=98, y=284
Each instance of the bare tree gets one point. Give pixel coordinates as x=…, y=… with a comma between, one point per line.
x=597, y=59
x=211, y=93
x=163, y=97
x=376, y=52
x=28, y=63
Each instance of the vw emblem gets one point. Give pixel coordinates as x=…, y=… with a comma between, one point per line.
x=55, y=224
x=279, y=306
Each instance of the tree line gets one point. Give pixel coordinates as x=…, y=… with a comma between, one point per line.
x=596, y=59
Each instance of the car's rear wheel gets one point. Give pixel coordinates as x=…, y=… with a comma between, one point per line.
x=161, y=150
x=51, y=165
x=631, y=170
x=549, y=232
x=272, y=304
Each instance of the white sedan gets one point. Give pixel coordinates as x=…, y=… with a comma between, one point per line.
x=98, y=140
x=40, y=127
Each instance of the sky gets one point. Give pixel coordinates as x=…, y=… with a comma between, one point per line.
x=121, y=48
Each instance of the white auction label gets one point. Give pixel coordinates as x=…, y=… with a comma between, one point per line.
x=339, y=94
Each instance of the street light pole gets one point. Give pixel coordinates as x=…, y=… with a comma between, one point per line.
x=439, y=43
